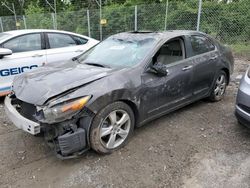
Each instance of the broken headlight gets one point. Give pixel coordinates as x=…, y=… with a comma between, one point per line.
x=64, y=110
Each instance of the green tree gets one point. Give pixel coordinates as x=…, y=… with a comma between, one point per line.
x=36, y=18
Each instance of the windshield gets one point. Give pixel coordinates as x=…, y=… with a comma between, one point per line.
x=118, y=52
x=4, y=36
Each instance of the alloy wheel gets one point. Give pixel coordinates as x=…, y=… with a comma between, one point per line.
x=220, y=86
x=114, y=129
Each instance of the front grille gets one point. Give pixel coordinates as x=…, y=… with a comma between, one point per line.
x=25, y=109
x=245, y=108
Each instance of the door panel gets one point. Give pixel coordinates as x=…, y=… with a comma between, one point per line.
x=204, y=72
x=161, y=94
x=63, y=47
x=165, y=93
x=205, y=57
x=66, y=53
x=62, y=54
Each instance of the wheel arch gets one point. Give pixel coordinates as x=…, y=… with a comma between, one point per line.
x=227, y=74
x=134, y=108
x=105, y=100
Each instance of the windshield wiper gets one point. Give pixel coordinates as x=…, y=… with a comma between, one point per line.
x=98, y=65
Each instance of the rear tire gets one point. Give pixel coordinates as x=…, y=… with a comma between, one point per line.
x=112, y=127
x=219, y=87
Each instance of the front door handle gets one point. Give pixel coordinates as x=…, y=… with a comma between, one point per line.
x=213, y=57
x=37, y=55
x=187, y=68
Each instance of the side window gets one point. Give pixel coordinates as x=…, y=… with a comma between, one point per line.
x=201, y=45
x=80, y=40
x=25, y=43
x=57, y=40
x=170, y=52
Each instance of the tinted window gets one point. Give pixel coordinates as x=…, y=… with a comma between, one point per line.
x=24, y=43
x=80, y=40
x=170, y=52
x=57, y=40
x=201, y=45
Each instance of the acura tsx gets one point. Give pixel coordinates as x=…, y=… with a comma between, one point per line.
x=98, y=98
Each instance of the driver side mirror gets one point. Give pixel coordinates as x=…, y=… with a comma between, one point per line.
x=4, y=52
x=159, y=69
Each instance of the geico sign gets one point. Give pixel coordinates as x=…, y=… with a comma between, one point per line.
x=16, y=70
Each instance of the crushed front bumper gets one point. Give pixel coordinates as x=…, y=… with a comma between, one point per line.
x=18, y=120
x=68, y=139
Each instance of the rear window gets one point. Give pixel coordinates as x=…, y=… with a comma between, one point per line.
x=80, y=40
x=201, y=45
x=58, y=40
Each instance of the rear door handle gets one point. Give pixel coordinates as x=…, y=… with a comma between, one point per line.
x=79, y=50
x=187, y=68
x=37, y=55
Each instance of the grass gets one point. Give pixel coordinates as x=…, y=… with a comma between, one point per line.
x=241, y=49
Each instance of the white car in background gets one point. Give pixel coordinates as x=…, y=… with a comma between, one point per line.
x=24, y=50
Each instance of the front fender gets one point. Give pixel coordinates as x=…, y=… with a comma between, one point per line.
x=96, y=104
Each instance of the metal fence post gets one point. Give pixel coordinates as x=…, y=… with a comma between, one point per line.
x=166, y=16
x=100, y=20
x=136, y=18
x=199, y=15
x=24, y=21
x=53, y=20
x=54, y=17
x=1, y=24
x=55, y=14
x=89, y=34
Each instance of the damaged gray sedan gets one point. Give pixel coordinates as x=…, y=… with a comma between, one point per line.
x=97, y=99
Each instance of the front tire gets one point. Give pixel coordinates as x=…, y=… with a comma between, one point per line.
x=219, y=87
x=112, y=127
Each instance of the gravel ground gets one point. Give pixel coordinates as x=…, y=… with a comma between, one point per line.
x=201, y=145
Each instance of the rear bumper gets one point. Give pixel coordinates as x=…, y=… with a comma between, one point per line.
x=18, y=120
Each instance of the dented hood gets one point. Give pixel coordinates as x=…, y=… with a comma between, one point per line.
x=38, y=86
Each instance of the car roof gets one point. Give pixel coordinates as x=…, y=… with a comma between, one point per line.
x=142, y=35
x=15, y=33
x=26, y=31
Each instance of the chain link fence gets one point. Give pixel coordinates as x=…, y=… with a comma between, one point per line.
x=228, y=23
